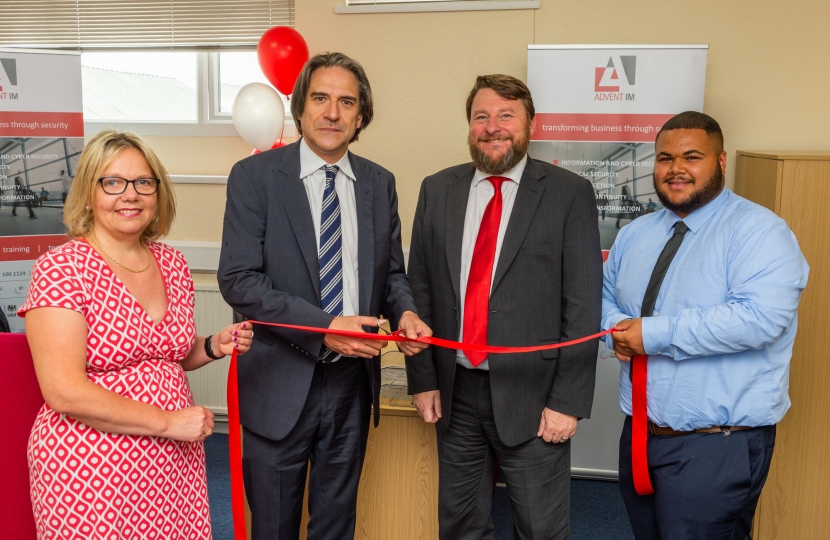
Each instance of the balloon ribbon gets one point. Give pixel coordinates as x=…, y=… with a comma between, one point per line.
x=234, y=430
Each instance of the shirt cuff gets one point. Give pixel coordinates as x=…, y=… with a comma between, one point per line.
x=657, y=335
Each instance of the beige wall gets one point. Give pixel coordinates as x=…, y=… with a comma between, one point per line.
x=767, y=80
x=199, y=207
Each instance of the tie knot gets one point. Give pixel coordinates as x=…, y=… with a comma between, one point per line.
x=331, y=171
x=497, y=181
x=680, y=228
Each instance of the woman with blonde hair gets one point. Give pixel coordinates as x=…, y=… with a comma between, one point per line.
x=117, y=450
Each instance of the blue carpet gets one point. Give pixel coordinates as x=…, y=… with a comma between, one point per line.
x=219, y=486
x=597, y=510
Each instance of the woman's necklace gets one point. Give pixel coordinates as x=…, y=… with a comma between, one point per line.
x=149, y=257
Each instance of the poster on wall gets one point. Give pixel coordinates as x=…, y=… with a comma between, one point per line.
x=598, y=111
x=41, y=138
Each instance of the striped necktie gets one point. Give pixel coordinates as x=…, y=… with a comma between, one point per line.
x=331, y=258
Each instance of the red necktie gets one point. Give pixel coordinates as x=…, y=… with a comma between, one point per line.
x=639, y=367
x=477, y=297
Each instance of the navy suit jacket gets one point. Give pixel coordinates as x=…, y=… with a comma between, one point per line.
x=269, y=271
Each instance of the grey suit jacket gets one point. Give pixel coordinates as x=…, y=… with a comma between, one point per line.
x=547, y=288
x=269, y=271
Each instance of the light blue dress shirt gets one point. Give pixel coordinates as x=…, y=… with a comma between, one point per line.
x=721, y=336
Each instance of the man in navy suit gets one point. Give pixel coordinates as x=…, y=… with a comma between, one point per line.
x=312, y=237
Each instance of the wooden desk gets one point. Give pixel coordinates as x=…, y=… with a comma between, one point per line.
x=398, y=495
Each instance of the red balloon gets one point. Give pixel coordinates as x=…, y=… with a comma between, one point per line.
x=282, y=53
x=276, y=145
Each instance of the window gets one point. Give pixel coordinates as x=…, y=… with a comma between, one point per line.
x=127, y=83
x=140, y=87
x=236, y=69
x=167, y=93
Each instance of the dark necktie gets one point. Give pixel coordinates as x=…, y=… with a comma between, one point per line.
x=331, y=259
x=639, y=368
x=661, y=267
x=477, y=296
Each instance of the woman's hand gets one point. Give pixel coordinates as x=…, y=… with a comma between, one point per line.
x=236, y=337
x=190, y=425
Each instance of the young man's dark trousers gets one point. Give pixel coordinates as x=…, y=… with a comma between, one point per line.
x=706, y=484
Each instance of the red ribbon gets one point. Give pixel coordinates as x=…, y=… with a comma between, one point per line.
x=235, y=446
x=639, y=425
x=438, y=342
x=234, y=435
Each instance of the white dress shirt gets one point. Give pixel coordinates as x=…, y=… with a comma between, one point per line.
x=314, y=180
x=481, y=191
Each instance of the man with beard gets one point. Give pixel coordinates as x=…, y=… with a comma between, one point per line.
x=505, y=251
x=708, y=289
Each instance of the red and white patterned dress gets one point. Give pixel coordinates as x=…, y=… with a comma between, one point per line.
x=88, y=484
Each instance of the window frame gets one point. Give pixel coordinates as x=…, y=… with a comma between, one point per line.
x=209, y=121
x=214, y=94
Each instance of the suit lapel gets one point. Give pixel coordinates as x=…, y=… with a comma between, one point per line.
x=295, y=202
x=524, y=209
x=458, y=193
x=363, y=198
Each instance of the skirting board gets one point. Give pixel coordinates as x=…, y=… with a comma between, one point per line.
x=220, y=425
x=594, y=474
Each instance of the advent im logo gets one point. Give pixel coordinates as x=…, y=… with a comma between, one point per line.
x=8, y=77
x=609, y=79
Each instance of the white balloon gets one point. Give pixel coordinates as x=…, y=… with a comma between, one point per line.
x=258, y=115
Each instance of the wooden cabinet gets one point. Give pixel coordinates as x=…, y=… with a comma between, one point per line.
x=795, y=502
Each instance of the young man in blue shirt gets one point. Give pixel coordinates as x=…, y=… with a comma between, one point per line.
x=718, y=334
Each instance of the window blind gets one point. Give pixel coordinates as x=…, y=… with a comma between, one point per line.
x=140, y=24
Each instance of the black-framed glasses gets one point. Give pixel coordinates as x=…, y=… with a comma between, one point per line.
x=114, y=185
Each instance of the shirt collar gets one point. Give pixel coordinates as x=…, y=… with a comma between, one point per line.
x=311, y=162
x=699, y=217
x=514, y=174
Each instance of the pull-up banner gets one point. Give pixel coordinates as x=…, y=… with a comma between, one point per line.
x=41, y=138
x=598, y=111
x=610, y=93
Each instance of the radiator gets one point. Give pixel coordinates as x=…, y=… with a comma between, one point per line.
x=209, y=384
